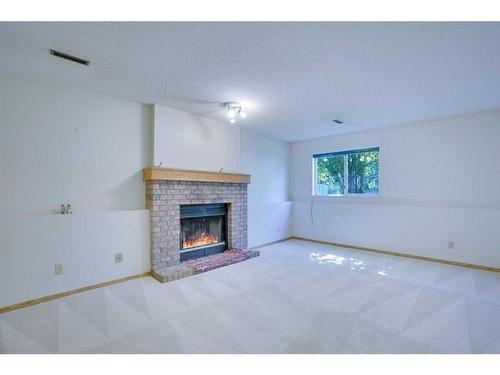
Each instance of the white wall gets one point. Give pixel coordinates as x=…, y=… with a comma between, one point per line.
x=84, y=243
x=60, y=145
x=269, y=207
x=186, y=141
x=438, y=182
x=183, y=140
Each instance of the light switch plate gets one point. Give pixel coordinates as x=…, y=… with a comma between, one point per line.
x=118, y=257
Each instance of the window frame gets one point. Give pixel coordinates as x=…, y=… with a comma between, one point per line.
x=345, y=154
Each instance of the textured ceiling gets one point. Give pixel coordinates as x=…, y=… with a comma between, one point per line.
x=294, y=77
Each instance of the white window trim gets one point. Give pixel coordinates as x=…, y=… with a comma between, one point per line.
x=346, y=194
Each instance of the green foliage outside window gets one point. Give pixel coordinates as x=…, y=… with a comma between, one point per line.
x=359, y=176
x=330, y=175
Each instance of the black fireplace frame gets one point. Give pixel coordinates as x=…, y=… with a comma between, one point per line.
x=191, y=211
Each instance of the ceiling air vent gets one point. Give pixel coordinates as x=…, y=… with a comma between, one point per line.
x=65, y=56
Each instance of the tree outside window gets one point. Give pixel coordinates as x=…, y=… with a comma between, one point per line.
x=347, y=173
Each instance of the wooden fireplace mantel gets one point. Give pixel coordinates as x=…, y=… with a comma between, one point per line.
x=168, y=174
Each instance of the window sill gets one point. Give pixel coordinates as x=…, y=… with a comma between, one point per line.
x=348, y=196
x=356, y=197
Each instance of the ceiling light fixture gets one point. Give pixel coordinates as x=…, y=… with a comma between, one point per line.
x=242, y=113
x=234, y=110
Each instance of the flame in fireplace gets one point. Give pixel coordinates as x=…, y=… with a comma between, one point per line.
x=202, y=240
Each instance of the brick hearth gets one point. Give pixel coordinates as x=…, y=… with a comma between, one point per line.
x=164, y=198
x=226, y=258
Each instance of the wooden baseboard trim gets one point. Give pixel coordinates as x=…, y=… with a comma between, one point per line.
x=404, y=255
x=270, y=243
x=36, y=301
x=52, y=297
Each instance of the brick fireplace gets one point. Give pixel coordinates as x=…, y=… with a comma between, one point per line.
x=168, y=191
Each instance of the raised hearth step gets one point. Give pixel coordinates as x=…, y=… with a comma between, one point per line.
x=204, y=264
x=225, y=258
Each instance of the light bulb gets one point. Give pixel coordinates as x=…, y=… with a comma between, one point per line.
x=232, y=121
x=231, y=113
x=242, y=113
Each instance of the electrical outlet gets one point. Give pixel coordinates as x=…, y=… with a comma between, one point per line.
x=451, y=244
x=118, y=257
x=58, y=269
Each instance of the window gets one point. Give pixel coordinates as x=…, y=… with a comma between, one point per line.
x=352, y=172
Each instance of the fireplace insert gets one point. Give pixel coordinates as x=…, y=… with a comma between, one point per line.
x=203, y=230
